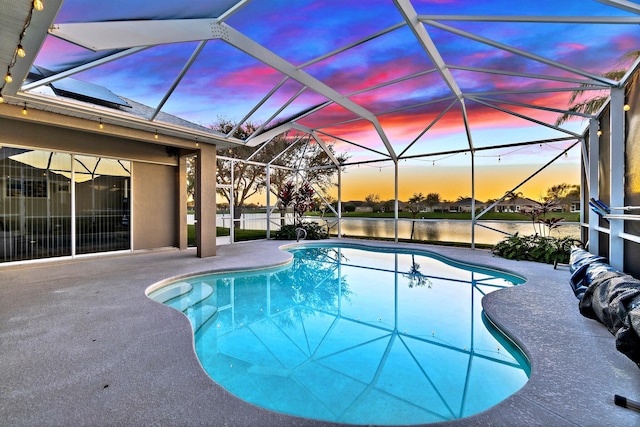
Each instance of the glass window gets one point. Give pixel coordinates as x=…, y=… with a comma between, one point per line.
x=102, y=204
x=35, y=204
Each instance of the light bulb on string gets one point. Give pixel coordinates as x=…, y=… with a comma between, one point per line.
x=599, y=132
x=20, y=51
x=101, y=125
x=8, y=77
x=38, y=5
x=24, y=109
x=626, y=107
x=156, y=135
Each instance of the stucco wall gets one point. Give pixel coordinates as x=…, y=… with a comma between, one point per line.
x=154, y=205
x=154, y=173
x=16, y=132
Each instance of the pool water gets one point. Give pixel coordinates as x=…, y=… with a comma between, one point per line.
x=354, y=335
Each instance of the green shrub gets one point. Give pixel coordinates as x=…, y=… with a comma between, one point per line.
x=548, y=250
x=314, y=232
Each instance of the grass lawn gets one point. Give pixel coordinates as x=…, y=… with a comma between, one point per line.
x=240, y=235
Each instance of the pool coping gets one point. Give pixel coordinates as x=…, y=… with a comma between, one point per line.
x=76, y=333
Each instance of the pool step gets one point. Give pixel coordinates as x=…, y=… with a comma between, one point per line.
x=199, y=292
x=205, y=312
x=168, y=292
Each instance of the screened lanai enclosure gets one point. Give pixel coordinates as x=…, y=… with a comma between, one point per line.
x=479, y=102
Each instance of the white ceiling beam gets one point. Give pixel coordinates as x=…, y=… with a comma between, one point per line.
x=532, y=106
x=324, y=146
x=232, y=10
x=467, y=127
x=259, y=52
x=179, y=78
x=622, y=4
x=535, y=19
x=536, y=90
x=277, y=112
x=116, y=35
x=527, y=75
x=337, y=138
x=429, y=126
x=125, y=34
x=530, y=119
x=270, y=134
x=411, y=17
x=258, y=105
x=32, y=42
x=84, y=67
x=522, y=53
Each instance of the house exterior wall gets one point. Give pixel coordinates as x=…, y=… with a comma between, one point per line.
x=155, y=206
x=156, y=187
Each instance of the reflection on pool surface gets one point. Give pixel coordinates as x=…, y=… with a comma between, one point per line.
x=354, y=335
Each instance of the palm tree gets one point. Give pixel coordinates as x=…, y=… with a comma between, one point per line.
x=593, y=105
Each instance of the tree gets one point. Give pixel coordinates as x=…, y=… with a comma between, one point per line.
x=512, y=197
x=373, y=200
x=560, y=192
x=414, y=204
x=593, y=104
x=305, y=158
x=432, y=200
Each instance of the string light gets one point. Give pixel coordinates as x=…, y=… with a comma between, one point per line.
x=599, y=132
x=24, y=109
x=20, y=52
x=101, y=125
x=156, y=135
x=626, y=107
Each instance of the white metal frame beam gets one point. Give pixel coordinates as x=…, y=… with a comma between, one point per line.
x=521, y=52
x=622, y=4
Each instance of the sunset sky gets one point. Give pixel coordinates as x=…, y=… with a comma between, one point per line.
x=385, y=71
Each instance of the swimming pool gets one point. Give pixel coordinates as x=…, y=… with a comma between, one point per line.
x=354, y=335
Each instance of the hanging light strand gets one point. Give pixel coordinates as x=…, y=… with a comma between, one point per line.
x=20, y=52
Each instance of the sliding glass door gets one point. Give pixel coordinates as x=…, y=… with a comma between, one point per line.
x=57, y=204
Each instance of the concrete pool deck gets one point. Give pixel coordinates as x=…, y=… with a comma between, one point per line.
x=81, y=344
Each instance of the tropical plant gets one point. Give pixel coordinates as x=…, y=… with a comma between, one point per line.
x=593, y=104
x=538, y=214
x=301, y=200
x=545, y=249
x=414, y=204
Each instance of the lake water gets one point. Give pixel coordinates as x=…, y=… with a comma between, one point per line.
x=424, y=229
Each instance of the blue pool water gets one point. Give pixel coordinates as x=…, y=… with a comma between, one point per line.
x=354, y=335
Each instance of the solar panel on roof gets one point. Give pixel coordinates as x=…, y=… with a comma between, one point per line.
x=87, y=91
